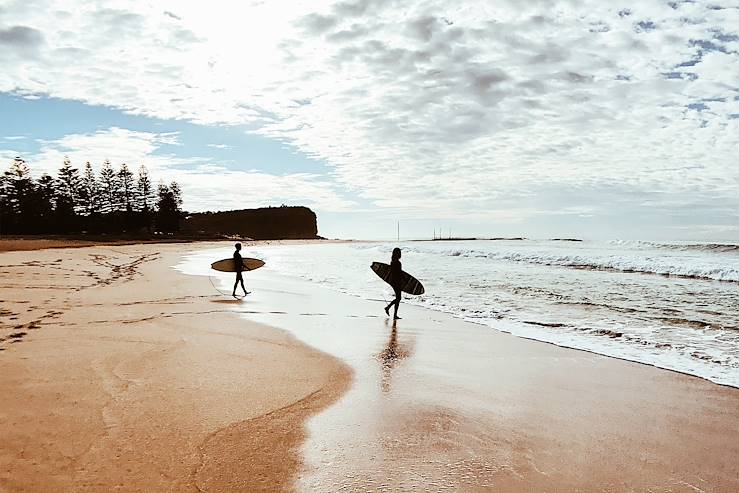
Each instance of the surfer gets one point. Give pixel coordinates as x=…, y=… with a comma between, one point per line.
x=396, y=276
x=239, y=266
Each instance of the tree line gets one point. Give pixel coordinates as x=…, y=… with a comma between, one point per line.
x=112, y=201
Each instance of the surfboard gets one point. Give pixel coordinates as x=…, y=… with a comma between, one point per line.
x=409, y=284
x=227, y=264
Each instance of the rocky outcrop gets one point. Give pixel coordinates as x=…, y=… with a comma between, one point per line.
x=267, y=223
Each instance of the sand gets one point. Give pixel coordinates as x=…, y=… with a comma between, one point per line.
x=129, y=374
x=438, y=404
x=118, y=372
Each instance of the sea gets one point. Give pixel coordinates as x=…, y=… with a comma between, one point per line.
x=672, y=305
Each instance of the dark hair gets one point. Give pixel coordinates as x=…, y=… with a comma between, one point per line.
x=396, y=253
x=238, y=246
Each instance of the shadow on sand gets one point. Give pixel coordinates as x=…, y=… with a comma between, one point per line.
x=234, y=301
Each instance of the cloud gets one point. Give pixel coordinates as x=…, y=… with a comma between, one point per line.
x=207, y=184
x=431, y=108
x=20, y=36
x=21, y=41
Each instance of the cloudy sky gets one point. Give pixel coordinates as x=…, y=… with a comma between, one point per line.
x=538, y=118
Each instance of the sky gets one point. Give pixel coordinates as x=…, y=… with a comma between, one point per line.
x=585, y=118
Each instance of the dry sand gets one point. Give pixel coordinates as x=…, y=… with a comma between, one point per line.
x=118, y=372
x=129, y=374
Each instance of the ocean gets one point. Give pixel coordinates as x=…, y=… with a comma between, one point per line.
x=671, y=305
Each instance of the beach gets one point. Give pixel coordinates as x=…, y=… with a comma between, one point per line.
x=120, y=371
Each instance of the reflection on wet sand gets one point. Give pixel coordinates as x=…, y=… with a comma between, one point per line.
x=391, y=356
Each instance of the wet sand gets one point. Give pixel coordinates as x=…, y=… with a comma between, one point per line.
x=438, y=404
x=117, y=372
x=130, y=375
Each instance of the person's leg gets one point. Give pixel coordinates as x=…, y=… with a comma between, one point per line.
x=394, y=302
x=239, y=279
x=242, y=287
x=397, y=303
x=387, y=307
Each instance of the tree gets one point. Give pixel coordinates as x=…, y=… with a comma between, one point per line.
x=174, y=188
x=59, y=204
x=126, y=190
x=89, y=191
x=45, y=202
x=67, y=189
x=167, y=209
x=17, y=186
x=144, y=190
x=108, y=187
x=17, y=197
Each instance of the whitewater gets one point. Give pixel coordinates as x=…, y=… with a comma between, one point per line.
x=671, y=305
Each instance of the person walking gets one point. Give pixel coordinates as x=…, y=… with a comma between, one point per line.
x=239, y=265
x=395, y=280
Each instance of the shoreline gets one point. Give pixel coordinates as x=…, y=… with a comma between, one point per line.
x=119, y=380
x=649, y=332
x=28, y=243
x=553, y=418
x=146, y=380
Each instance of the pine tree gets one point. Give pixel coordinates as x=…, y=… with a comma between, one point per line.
x=67, y=185
x=167, y=213
x=17, y=196
x=18, y=185
x=163, y=197
x=174, y=188
x=67, y=188
x=46, y=191
x=89, y=192
x=108, y=187
x=145, y=192
x=126, y=190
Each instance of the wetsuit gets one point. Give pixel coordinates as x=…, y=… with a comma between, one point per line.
x=239, y=266
x=396, y=281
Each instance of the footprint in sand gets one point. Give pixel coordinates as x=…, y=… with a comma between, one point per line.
x=16, y=337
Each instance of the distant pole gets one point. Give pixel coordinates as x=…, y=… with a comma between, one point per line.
x=398, y=230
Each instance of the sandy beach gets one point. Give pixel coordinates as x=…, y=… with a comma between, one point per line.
x=119, y=372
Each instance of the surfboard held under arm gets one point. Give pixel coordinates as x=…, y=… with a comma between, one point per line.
x=409, y=284
x=227, y=264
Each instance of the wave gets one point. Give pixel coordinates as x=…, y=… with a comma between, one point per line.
x=703, y=247
x=664, y=266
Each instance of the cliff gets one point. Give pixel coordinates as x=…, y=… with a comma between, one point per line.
x=267, y=223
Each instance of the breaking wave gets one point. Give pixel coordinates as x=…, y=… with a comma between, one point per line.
x=720, y=269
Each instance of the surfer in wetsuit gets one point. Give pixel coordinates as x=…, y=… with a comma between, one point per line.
x=395, y=280
x=239, y=265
